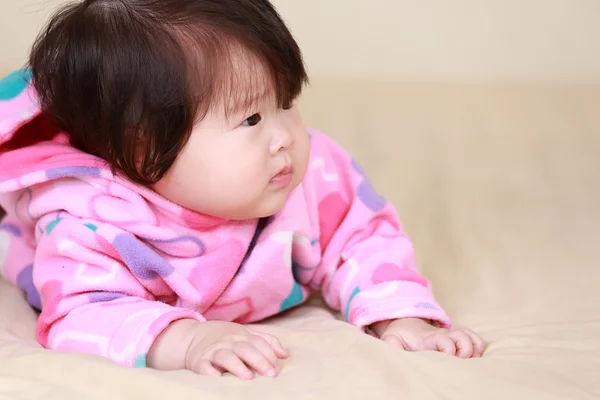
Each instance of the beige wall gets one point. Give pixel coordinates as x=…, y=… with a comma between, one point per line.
x=433, y=39
x=409, y=39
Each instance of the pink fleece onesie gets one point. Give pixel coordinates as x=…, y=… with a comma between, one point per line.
x=111, y=264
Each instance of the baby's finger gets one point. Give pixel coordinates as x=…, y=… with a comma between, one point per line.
x=439, y=342
x=394, y=341
x=263, y=346
x=463, y=343
x=444, y=344
x=275, y=344
x=229, y=361
x=478, y=343
x=205, y=367
x=254, y=358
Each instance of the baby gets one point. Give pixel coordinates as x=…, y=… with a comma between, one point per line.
x=162, y=192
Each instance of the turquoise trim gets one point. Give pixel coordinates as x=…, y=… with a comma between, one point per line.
x=50, y=227
x=14, y=84
x=140, y=361
x=295, y=297
x=91, y=226
x=347, y=310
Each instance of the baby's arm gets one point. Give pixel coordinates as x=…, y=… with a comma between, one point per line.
x=92, y=302
x=368, y=267
x=104, y=297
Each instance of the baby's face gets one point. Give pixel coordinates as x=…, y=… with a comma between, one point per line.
x=240, y=166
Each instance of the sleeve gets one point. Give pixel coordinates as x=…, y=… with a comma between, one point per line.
x=94, y=302
x=367, y=269
x=17, y=250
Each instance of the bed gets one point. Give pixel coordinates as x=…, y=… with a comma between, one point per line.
x=499, y=188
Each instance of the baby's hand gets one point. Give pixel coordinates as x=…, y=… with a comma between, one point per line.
x=213, y=348
x=229, y=347
x=413, y=334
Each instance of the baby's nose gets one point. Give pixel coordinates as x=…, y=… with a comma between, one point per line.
x=283, y=140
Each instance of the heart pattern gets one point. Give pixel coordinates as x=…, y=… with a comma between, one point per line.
x=14, y=84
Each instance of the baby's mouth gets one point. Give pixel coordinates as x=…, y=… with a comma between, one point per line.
x=284, y=177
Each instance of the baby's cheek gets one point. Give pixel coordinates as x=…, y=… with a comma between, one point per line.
x=184, y=188
x=218, y=180
x=302, y=145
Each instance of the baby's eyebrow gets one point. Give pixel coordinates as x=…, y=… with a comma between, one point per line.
x=245, y=104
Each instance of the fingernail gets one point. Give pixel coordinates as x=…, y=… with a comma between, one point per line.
x=271, y=373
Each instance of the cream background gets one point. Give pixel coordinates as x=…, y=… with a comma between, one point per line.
x=409, y=39
x=498, y=186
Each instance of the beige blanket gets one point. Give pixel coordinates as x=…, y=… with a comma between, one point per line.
x=499, y=187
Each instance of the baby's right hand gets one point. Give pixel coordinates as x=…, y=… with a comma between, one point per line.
x=227, y=347
x=216, y=347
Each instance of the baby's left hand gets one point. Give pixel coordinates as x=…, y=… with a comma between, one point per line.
x=413, y=334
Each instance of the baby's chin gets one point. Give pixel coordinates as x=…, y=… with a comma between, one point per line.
x=265, y=210
x=261, y=204
x=270, y=204
x=247, y=216
x=242, y=212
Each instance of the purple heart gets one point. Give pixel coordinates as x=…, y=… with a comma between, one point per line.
x=367, y=194
x=25, y=283
x=143, y=262
x=63, y=172
x=100, y=297
x=10, y=228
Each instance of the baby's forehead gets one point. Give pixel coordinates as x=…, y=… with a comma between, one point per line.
x=235, y=80
x=244, y=69
x=244, y=83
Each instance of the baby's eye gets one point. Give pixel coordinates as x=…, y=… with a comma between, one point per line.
x=252, y=120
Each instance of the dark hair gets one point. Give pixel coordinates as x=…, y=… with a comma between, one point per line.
x=128, y=79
